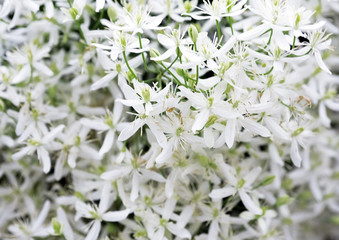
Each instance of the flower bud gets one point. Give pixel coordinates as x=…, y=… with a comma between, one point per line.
x=112, y=14
x=74, y=13
x=154, y=53
x=130, y=76
x=193, y=33
x=188, y=6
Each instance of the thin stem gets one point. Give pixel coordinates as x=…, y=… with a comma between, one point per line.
x=143, y=56
x=81, y=32
x=230, y=21
x=294, y=38
x=169, y=71
x=197, y=67
x=166, y=69
x=98, y=22
x=129, y=68
x=69, y=3
x=218, y=28
x=268, y=72
x=269, y=40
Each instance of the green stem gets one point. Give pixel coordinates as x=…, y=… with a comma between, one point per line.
x=81, y=32
x=98, y=21
x=169, y=71
x=268, y=72
x=143, y=56
x=269, y=40
x=166, y=69
x=129, y=68
x=197, y=67
x=218, y=28
x=230, y=21
x=294, y=38
x=69, y=3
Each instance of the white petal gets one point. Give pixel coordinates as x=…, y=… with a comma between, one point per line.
x=276, y=129
x=209, y=137
x=148, y=174
x=130, y=129
x=294, y=152
x=249, y=203
x=178, y=231
x=323, y=115
x=103, y=82
x=22, y=75
x=252, y=176
x=67, y=230
x=94, y=231
x=222, y=192
x=255, y=127
x=105, y=197
x=108, y=143
x=230, y=132
x=94, y=124
x=200, y=120
x=44, y=158
x=43, y=68
x=135, y=186
x=116, y=216
x=314, y=186
x=320, y=62
x=274, y=154
x=213, y=230
x=99, y=5
x=117, y=173
x=42, y=216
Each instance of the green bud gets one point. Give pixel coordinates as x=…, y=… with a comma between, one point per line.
x=287, y=183
x=335, y=220
x=193, y=33
x=146, y=94
x=154, y=53
x=57, y=226
x=287, y=221
x=2, y=106
x=140, y=234
x=130, y=76
x=181, y=72
x=118, y=68
x=241, y=183
x=267, y=181
x=74, y=13
x=297, y=132
x=112, y=14
x=187, y=6
x=211, y=120
x=282, y=200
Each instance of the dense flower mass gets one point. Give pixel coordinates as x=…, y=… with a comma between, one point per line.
x=169, y=119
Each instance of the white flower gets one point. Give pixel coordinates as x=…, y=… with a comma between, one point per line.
x=41, y=145
x=100, y=213
x=237, y=184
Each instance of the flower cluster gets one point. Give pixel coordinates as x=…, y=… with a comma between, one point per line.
x=169, y=119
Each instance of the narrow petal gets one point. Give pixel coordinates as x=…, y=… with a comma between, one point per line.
x=294, y=152
x=108, y=143
x=116, y=216
x=255, y=127
x=94, y=231
x=222, y=192
x=130, y=129
x=44, y=158
x=200, y=120
x=249, y=203
x=320, y=62
x=230, y=132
